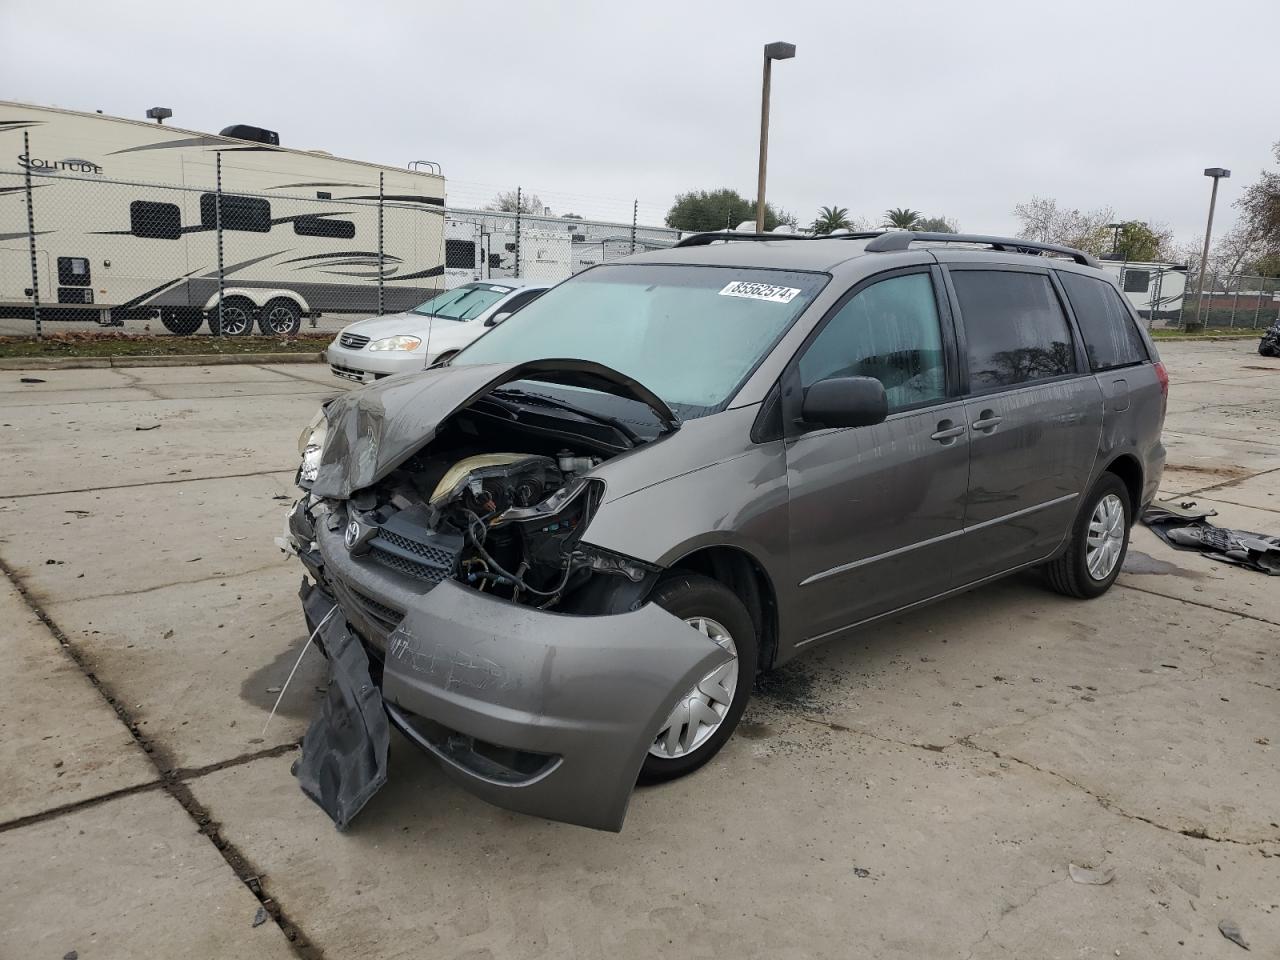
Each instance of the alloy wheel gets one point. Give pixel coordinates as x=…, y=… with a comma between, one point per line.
x=1106, y=537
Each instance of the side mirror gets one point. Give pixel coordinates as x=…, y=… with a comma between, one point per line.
x=845, y=402
x=496, y=319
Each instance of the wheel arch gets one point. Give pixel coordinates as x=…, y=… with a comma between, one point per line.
x=260, y=297
x=745, y=576
x=1129, y=470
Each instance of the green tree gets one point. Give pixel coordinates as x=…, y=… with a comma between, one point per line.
x=832, y=218
x=901, y=218
x=1141, y=242
x=937, y=225
x=701, y=210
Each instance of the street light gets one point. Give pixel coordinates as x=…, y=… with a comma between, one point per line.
x=1115, y=229
x=772, y=52
x=1218, y=173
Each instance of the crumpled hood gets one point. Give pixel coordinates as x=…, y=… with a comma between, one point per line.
x=376, y=428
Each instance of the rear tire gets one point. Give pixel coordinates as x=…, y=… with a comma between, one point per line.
x=181, y=320
x=280, y=318
x=712, y=608
x=1096, y=550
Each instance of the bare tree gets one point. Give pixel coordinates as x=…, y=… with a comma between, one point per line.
x=505, y=202
x=1046, y=222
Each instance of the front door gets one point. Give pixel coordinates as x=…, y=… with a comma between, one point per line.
x=875, y=512
x=1034, y=414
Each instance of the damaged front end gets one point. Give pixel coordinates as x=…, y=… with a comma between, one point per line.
x=443, y=531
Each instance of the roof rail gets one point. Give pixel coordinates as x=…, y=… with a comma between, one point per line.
x=702, y=239
x=902, y=239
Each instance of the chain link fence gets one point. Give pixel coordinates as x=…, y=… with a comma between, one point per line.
x=81, y=252
x=1230, y=302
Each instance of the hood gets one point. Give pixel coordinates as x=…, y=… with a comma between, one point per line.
x=374, y=429
x=393, y=324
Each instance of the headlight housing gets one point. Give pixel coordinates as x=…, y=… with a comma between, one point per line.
x=311, y=446
x=396, y=343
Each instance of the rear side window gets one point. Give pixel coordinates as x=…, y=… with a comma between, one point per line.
x=1014, y=327
x=155, y=221
x=889, y=331
x=1110, y=337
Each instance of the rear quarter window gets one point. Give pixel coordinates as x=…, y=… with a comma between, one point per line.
x=1111, y=339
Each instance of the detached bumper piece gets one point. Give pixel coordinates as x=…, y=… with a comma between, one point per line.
x=344, y=751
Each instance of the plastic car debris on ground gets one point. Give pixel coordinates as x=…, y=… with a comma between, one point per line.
x=1186, y=527
x=1269, y=345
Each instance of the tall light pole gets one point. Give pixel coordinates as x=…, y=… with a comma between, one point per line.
x=772, y=52
x=1217, y=173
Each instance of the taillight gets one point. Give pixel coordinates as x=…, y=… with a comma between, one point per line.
x=1163, y=376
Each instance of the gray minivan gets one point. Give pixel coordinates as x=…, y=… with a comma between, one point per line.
x=558, y=563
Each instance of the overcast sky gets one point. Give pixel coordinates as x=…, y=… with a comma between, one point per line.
x=954, y=108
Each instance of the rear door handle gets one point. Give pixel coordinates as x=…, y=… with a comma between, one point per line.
x=947, y=431
x=987, y=422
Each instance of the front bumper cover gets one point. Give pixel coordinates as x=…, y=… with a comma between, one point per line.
x=543, y=713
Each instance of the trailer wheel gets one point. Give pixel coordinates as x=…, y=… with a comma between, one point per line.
x=183, y=321
x=280, y=318
x=237, y=317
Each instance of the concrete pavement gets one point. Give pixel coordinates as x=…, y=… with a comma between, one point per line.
x=916, y=792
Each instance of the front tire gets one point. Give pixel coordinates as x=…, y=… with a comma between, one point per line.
x=236, y=317
x=1099, y=542
x=705, y=717
x=183, y=321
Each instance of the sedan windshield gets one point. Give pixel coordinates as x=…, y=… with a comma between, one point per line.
x=691, y=334
x=463, y=303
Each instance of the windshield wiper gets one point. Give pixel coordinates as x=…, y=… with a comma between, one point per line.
x=540, y=399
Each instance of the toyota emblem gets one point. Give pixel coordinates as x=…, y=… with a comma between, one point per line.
x=353, y=534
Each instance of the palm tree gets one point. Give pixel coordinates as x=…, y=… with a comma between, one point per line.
x=831, y=218
x=901, y=218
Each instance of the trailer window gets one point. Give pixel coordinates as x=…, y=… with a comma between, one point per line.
x=155, y=221
x=73, y=272
x=460, y=253
x=324, y=227
x=252, y=214
x=1136, y=281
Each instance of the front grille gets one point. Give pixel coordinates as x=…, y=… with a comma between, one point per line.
x=433, y=555
x=418, y=571
x=389, y=616
x=353, y=341
x=346, y=372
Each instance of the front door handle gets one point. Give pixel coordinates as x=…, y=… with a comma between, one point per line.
x=947, y=431
x=986, y=422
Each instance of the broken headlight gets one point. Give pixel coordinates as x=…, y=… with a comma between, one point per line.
x=311, y=446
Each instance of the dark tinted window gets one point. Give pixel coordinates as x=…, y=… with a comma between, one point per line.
x=323, y=227
x=1136, y=281
x=1014, y=328
x=238, y=213
x=155, y=221
x=1110, y=337
x=520, y=299
x=460, y=254
x=73, y=272
x=889, y=331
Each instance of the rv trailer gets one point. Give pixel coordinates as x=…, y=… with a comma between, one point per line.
x=127, y=216
x=1155, y=289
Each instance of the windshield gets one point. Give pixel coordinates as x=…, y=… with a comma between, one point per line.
x=463, y=303
x=690, y=334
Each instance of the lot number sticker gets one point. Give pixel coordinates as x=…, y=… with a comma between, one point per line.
x=759, y=291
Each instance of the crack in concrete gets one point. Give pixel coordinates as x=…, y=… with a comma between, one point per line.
x=152, y=483
x=172, y=784
x=217, y=575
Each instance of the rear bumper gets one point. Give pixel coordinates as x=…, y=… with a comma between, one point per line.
x=542, y=713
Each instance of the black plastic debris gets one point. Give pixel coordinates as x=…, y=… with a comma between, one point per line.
x=1187, y=528
x=344, y=751
x=260, y=917
x=1269, y=345
x=33, y=380
x=1231, y=931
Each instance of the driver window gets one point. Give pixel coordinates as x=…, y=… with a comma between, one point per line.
x=889, y=331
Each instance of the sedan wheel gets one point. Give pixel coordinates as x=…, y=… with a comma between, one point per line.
x=701, y=711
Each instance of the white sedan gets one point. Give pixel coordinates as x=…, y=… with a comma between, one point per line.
x=377, y=347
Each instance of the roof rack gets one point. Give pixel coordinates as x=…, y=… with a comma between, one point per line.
x=702, y=239
x=902, y=240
